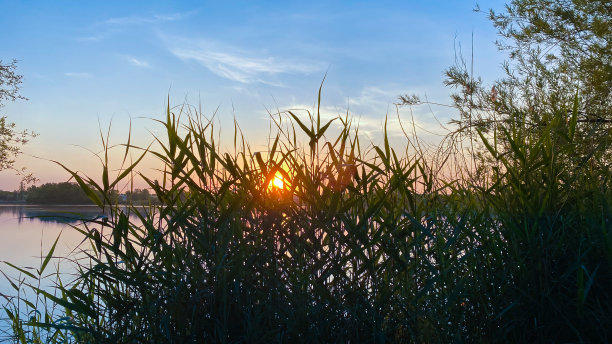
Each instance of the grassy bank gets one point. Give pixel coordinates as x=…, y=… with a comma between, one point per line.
x=362, y=243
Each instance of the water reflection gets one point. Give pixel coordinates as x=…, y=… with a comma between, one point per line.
x=27, y=232
x=57, y=214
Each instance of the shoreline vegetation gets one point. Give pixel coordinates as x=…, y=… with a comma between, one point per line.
x=325, y=239
x=67, y=193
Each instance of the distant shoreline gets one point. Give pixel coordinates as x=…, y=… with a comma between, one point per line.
x=5, y=203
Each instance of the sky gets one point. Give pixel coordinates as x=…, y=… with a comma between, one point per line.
x=90, y=64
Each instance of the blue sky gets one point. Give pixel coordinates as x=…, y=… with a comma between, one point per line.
x=86, y=63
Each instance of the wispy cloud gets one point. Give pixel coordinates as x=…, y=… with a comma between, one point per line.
x=368, y=111
x=368, y=126
x=239, y=65
x=92, y=38
x=158, y=18
x=138, y=62
x=375, y=97
x=78, y=75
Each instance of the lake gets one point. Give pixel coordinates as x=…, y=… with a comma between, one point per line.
x=27, y=232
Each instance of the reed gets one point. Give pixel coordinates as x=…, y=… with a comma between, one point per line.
x=362, y=243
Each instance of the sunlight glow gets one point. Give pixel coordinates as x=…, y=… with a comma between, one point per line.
x=277, y=182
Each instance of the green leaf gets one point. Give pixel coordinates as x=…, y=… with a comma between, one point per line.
x=515, y=147
x=29, y=274
x=308, y=132
x=129, y=169
x=319, y=103
x=120, y=230
x=573, y=119
x=262, y=164
x=48, y=257
x=487, y=145
x=88, y=191
x=322, y=130
x=78, y=306
x=386, y=140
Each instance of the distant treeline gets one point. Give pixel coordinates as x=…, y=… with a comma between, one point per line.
x=12, y=196
x=57, y=193
x=69, y=193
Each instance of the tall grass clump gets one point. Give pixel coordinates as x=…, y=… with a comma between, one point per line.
x=363, y=243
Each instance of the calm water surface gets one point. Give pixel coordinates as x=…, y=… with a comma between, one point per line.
x=27, y=232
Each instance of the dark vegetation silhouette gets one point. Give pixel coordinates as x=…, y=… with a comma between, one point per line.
x=57, y=193
x=500, y=234
x=71, y=193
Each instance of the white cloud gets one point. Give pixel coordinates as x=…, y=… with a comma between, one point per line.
x=78, y=75
x=241, y=66
x=375, y=97
x=137, y=62
x=148, y=19
x=368, y=111
x=376, y=102
x=367, y=125
x=92, y=38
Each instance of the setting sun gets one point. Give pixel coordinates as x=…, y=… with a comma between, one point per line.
x=277, y=182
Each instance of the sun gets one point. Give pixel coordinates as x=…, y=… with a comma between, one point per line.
x=278, y=182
